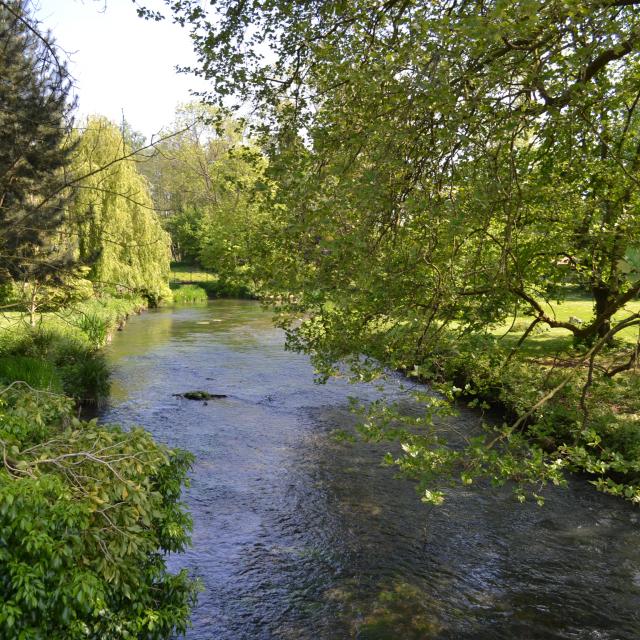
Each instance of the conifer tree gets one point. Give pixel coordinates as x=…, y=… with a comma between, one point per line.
x=35, y=108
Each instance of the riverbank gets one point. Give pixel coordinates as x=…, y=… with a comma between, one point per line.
x=579, y=417
x=61, y=353
x=88, y=512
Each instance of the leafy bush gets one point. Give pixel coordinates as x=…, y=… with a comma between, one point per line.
x=519, y=326
x=189, y=294
x=87, y=514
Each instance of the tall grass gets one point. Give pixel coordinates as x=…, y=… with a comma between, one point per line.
x=189, y=294
x=95, y=327
x=87, y=379
x=98, y=319
x=37, y=373
x=50, y=359
x=63, y=353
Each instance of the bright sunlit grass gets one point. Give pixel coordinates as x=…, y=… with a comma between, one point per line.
x=190, y=273
x=552, y=340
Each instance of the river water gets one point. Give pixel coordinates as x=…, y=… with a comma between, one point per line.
x=298, y=536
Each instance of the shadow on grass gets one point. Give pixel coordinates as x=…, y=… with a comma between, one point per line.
x=547, y=344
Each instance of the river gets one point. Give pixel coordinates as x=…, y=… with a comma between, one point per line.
x=298, y=536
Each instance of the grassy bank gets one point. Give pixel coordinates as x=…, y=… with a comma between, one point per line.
x=183, y=275
x=62, y=352
x=583, y=418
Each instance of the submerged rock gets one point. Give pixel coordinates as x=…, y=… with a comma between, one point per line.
x=199, y=395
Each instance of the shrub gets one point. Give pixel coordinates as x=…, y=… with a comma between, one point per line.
x=519, y=326
x=87, y=513
x=603, y=442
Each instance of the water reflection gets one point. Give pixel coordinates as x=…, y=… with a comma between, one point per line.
x=297, y=536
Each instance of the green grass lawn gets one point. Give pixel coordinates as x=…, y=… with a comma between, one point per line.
x=190, y=273
x=554, y=340
x=212, y=283
x=63, y=322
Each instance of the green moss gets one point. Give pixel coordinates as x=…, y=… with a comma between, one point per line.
x=398, y=612
x=200, y=395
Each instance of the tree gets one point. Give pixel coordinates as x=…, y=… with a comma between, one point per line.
x=112, y=217
x=442, y=166
x=203, y=180
x=35, y=110
x=529, y=106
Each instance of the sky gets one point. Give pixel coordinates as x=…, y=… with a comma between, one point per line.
x=120, y=62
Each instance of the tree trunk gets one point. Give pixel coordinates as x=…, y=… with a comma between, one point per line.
x=602, y=296
x=33, y=305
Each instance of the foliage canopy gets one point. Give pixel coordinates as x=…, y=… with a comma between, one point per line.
x=441, y=167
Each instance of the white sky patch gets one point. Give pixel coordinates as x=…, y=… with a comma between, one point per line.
x=120, y=62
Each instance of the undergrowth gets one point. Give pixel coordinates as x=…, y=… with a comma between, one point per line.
x=62, y=353
x=596, y=432
x=189, y=294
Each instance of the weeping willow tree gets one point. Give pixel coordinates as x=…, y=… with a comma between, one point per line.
x=113, y=218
